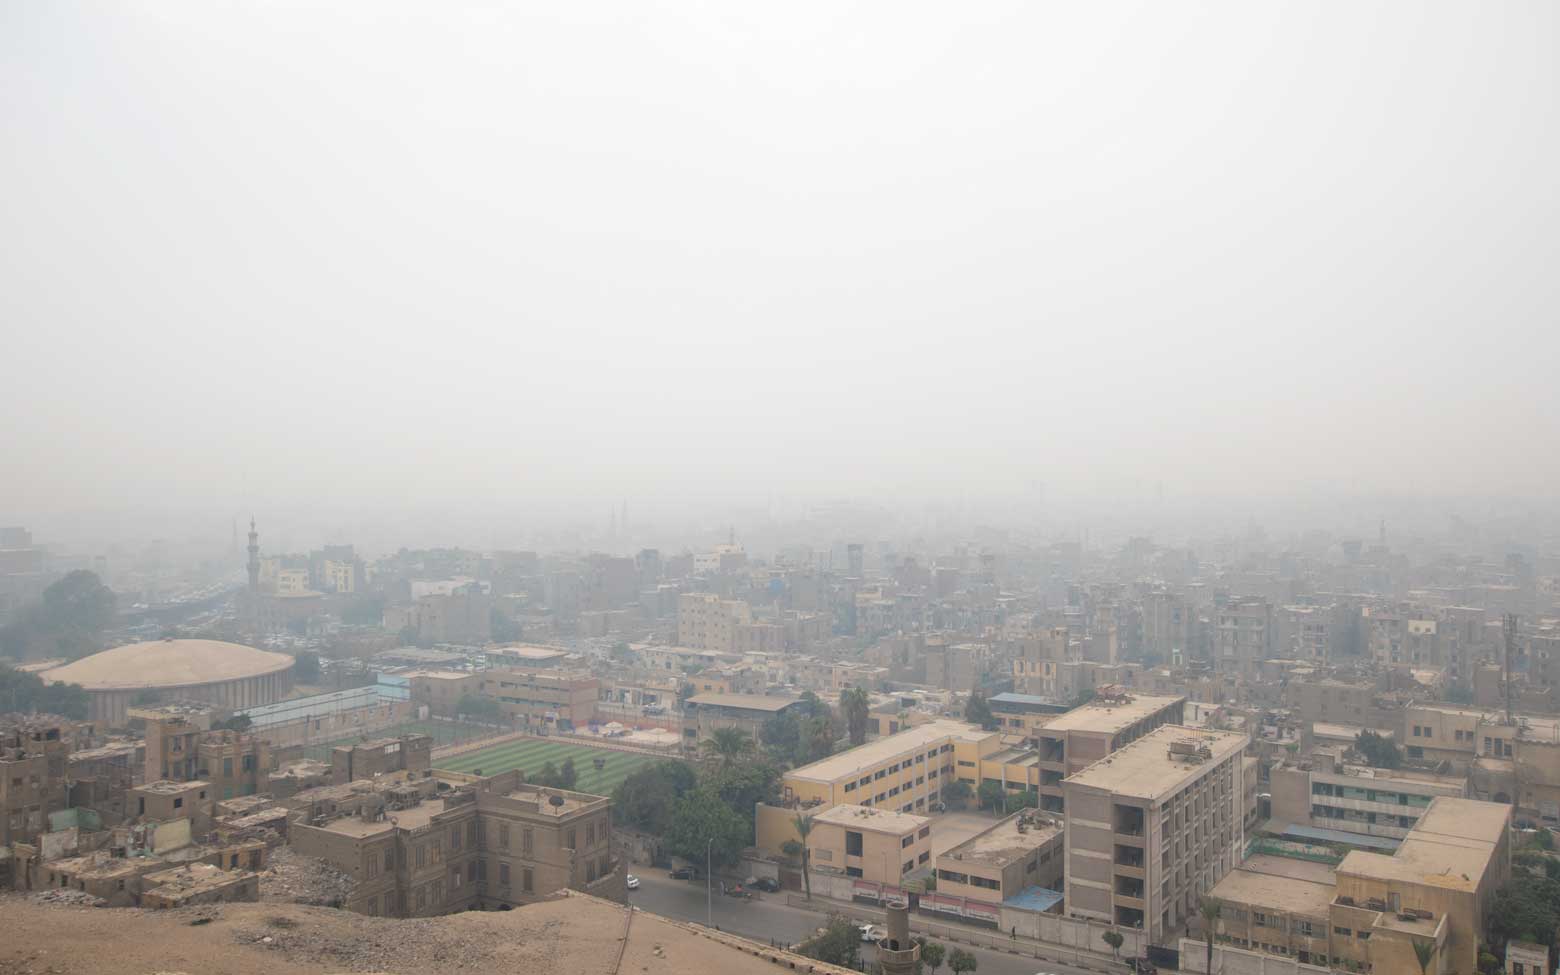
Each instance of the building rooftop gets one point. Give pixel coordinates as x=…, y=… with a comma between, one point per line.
x=748, y=702
x=529, y=652
x=190, y=877
x=169, y=663
x=1148, y=768
x=874, y=820
x=1106, y=717
x=543, y=797
x=1005, y=842
x=1450, y=846
x=885, y=749
x=167, y=787
x=432, y=674
x=1255, y=886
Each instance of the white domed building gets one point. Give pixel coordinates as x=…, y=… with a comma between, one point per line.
x=228, y=675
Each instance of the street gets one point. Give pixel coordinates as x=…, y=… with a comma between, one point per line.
x=770, y=919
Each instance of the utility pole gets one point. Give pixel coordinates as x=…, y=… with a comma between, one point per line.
x=709, y=879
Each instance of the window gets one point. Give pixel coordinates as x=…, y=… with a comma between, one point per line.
x=964, y=764
x=893, y=768
x=985, y=882
x=1259, y=919
x=422, y=855
x=949, y=875
x=503, y=836
x=525, y=879
x=925, y=832
x=1362, y=935
x=178, y=803
x=852, y=843
x=525, y=841
x=503, y=875
x=850, y=787
x=879, y=774
x=906, y=842
x=1342, y=932
x=227, y=768
x=923, y=857
x=471, y=871
x=389, y=858
x=455, y=879
x=866, y=780
x=454, y=838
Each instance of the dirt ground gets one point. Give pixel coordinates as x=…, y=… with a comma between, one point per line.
x=574, y=934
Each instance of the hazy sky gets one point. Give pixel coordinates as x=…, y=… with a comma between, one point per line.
x=338, y=253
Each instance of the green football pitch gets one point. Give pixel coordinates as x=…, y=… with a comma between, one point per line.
x=530, y=754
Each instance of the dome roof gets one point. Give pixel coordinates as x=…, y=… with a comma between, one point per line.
x=169, y=663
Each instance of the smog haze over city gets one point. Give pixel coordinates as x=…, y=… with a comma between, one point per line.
x=731, y=487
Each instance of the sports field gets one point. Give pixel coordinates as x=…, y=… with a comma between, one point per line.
x=443, y=733
x=530, y=754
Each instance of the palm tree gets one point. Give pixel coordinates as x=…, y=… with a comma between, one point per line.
x=730, y=744
x=857, y=707
x=1424, y=951
x=804, y=825
x=1210, y=913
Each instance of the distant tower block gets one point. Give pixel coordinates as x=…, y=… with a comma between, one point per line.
x=853, y=552
x=254, y=558
x=897, y=954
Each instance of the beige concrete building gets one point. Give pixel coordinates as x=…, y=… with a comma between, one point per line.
x=873, y=845
x=34, y=752
x=488, y=842
x=1072, y=741
x=1153, y=826
x=542, y=698
x=1243, y=637
x=1022, y=851
x=705, y=621
x=1278, y=906
x=902, y=772
x=704, y=714
x=1320, y=792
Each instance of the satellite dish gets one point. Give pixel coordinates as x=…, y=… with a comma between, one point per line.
x=555, y=800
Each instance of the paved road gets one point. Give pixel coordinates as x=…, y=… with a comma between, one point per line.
x=770, y=919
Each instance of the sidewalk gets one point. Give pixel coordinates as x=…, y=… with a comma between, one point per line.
x=955, y=933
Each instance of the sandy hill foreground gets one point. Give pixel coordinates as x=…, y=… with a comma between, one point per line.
x=569, y=935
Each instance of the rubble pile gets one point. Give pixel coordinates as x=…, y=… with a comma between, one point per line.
x=292, y=878
x=354, y=942
x=61, y=895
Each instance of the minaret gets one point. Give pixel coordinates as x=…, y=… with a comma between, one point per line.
x=254, y=558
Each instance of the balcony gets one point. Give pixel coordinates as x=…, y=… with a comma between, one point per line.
x=1128, y=856
x=1127, y=820
x=1129, y=917
x=1129, y=887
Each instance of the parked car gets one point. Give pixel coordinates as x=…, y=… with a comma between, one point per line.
x=765, y=884
x=632, y=882
x=682, y=873
x=873, y=932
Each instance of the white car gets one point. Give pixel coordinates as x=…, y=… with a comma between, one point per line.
x=632, y=882
x=873, y=932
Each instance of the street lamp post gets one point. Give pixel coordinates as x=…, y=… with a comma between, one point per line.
x=709, y=879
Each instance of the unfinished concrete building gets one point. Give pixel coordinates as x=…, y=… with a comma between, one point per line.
x=33, y=780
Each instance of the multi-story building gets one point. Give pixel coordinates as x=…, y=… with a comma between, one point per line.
x=1153, y=826
x=704, y=714
x=33, y=763
x=1023, y=714
x=1321, y=793
x=706, y=621
x=1072, y=741
x=1244, y=636
x=1332, y=701
x=1437, y=887
x=1036, y=657
x=408, y=753
x=874, y=845
x=1023, y=851
x=542, y=698
x=487, y=842
x=440, y=690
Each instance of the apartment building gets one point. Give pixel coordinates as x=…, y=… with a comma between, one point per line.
x=873, y=845
x=1023, y=851
x=1036, y=657
x=1153, y=826
x=1243, y=637
x=440, y=690
x=1074, y=740
x=1333, y=701
x=704, y=714
x=1023, y=714
x=408, y=753
x=33, y=765
x=485, y=843
x=1277, y=906
x=706, y=621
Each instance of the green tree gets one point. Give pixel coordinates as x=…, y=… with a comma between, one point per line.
x=957, y=791
x=699, y=818
x=1115, y=940
x=645, y=799
x=804, y=825
x=567, y=776
x=1210, y=911
x=962, y=961
x=1020, y=800
x=839, y=944
x=857, y=708
x=306, y=667
x=79, y=601
x=1543, y=840
x=991, y=794
x=1378, y=750
x=27, y=694
x=817, y=739
x=932, y=954
x=1527, y=908
x=1459, y=694
x=238, y=722
x=782, y=733
x=978, y=711
x=742, y=786
x=548, y=776
x=1423, y=952
x=730, y=744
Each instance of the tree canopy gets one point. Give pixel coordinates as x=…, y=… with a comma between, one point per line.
x=66, y=622
x=978, y=711
x=1526, y=909
x=306, y=667
x=27, y=694
x=992, y=795
x=857, y=708
x=1378, y=750
x=646, y=798
x=701, y=817
x=839, y=944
